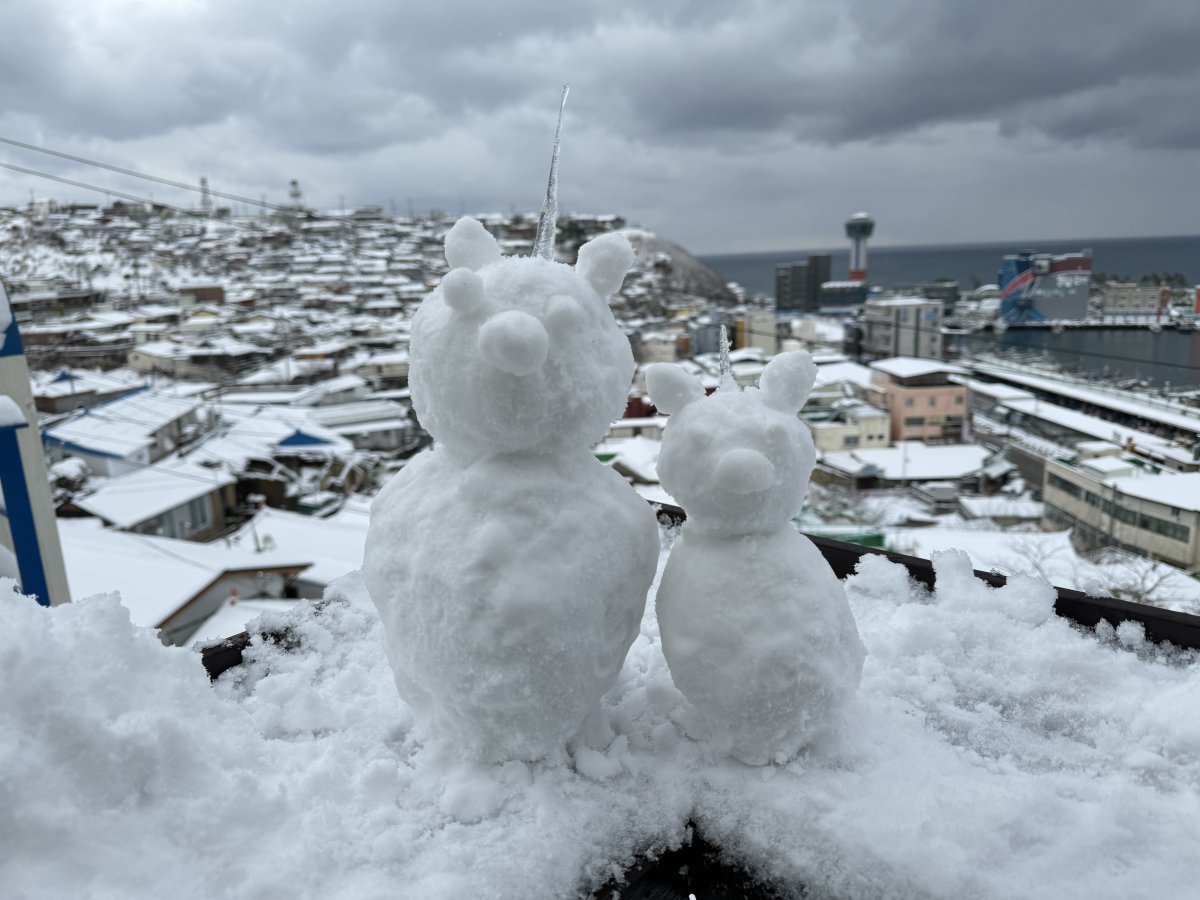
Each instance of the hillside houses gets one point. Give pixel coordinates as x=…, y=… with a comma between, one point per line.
x=241, y=387
x=127, y=433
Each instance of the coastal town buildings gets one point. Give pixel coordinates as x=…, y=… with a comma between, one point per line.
x=240, y=387
x=902, y=326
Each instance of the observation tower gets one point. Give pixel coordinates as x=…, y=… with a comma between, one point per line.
x=859, y=227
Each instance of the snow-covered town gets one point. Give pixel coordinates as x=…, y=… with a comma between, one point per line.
x=221, y=397
x=454, y=682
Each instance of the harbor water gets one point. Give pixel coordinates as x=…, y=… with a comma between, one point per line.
x=1169, y=358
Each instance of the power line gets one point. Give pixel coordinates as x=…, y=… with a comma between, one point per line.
x=103, y=190
x=182, y=185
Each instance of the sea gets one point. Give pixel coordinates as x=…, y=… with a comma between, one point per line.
x=1169, y=360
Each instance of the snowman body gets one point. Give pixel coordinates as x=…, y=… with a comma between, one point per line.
x=756, y=628
x=509, y=566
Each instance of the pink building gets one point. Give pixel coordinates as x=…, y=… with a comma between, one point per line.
x=924, y=405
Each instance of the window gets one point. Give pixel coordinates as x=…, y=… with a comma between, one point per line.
x=908, y=401
x=198, y=515
x=933, y=401
x=850, y=440
x=914, y=421
x=1061, y=484
x=958, y=400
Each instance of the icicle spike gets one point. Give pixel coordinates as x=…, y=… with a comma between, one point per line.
x=727, y=381
x=543, y=245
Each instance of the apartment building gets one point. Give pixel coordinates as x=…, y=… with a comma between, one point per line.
x=924, y=405
x=902, y=326
x=1114, y=501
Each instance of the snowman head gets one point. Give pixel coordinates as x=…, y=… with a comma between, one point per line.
x=738, y=461
x=520, y=354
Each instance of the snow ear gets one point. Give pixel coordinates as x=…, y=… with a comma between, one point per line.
x=787, y=380
x=469, y=245
x=670, y=388
x=605, y=261
x=464, y=292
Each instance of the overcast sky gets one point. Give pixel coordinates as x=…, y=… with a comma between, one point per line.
x=723, y=126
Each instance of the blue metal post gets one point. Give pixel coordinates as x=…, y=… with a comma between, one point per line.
x=19, y=509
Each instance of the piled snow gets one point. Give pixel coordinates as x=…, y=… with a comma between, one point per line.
x=993, y=751
x=10, y=413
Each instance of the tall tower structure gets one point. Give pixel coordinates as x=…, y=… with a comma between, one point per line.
x=205, y=196
x=295, y=195
x=859, y=227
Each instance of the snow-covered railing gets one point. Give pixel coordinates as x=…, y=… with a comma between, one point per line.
x=1161, y=625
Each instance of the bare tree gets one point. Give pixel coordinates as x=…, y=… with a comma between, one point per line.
x=1039, y=554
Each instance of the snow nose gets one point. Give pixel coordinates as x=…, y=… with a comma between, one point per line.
x=744, y=471
x=514, y=342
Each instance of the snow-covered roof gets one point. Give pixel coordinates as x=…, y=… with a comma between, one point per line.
x=155, y=576
x=65, y=382
x=332, y=545
x=835, y=373
x=123, y=426
x=912, y=367
x=911, y=460
x=1155, y=409
x=1181, y=491
x=128, y=500
x=998, y=506
x=1099, y=429
x=637, y=456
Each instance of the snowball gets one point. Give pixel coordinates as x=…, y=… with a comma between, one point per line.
x=744, y=471
x=604, y=262
x=469, y=245
x=787, y=379
x=671, y=388
x=514, y=342
x=464, y=292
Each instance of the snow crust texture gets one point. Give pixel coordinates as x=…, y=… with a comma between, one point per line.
x=994, y=751
x=509, y=566
x=756, y=627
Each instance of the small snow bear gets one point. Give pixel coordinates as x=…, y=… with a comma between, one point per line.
x=755, y=626
x=509, y=566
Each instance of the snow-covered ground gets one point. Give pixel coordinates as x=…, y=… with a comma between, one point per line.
x=993, y=751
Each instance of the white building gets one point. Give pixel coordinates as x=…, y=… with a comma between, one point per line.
x=903, y=326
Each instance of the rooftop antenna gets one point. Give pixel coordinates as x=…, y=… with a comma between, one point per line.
x=543, y=245
x=727, y=382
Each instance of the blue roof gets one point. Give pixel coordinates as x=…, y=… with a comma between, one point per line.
x=300, y=438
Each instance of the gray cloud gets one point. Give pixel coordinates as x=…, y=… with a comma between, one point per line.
x=752, y=105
